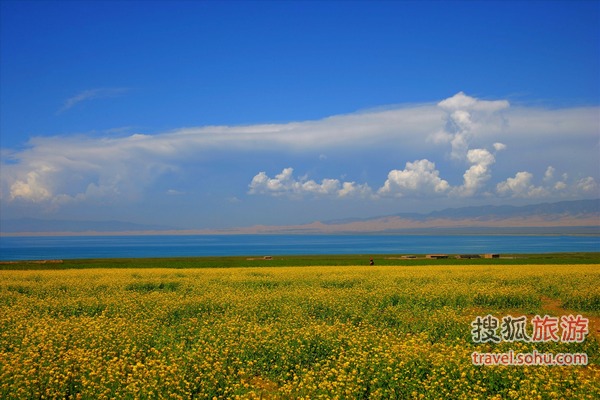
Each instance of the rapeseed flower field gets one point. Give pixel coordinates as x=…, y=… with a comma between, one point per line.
x=288, y=332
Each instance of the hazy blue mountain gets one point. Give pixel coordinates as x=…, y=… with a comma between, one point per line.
x=568, y=217
x=547, y=210
x=576, y=207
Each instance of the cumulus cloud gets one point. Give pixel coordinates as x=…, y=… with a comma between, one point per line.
x=549, y=174
x=587, y=185
x=417, y=178
x=30, y=188
x=479, y=172
x=286, y=184
x=522, y=185
x=499, y=146
x=467, y=117
x=560, y=186
x=461, y=101
x=60, y=170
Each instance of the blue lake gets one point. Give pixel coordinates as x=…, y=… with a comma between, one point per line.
x=73, y=247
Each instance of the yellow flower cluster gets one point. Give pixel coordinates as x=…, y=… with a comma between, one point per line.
x=291, y=333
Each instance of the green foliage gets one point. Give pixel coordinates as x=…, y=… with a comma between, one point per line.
x=584, y=301
x=302, y=261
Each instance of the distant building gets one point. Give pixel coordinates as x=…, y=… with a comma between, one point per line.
x=436, y=256
x=492, y=255
x=468, y=256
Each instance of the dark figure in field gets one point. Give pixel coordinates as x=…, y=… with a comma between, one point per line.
x=371, y=262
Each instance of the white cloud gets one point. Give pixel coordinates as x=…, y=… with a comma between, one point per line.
x=588, y=185
x=83, y=168
x=29, y=188
x=560, y=186
x=499, y=146
x=522, y=186
x=478, y=174
x=461, y=101
x=91, y=94
x=286, y=184
x=282, y=183
x=417, y=178
x=60, y=170
x=354, y=189
x=467, y=118
x=75, y=168
x=549, y=174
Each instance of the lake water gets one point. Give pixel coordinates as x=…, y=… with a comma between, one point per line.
x=73, y=247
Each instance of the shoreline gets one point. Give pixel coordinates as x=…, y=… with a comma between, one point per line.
x=347, y=260
x=483, y=231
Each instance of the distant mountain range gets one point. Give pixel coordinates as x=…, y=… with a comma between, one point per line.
x=578, y=208
x=566, y=217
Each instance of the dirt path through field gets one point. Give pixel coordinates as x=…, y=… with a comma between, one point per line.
x=554, y=307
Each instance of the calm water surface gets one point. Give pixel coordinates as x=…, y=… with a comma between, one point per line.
x=70, y=247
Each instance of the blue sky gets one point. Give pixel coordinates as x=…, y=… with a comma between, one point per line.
x=221, y=114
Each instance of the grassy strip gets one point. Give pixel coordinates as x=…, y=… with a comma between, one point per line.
x=306, y=260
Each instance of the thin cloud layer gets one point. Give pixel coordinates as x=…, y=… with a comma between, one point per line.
x=460, y=147
x=91, y=94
